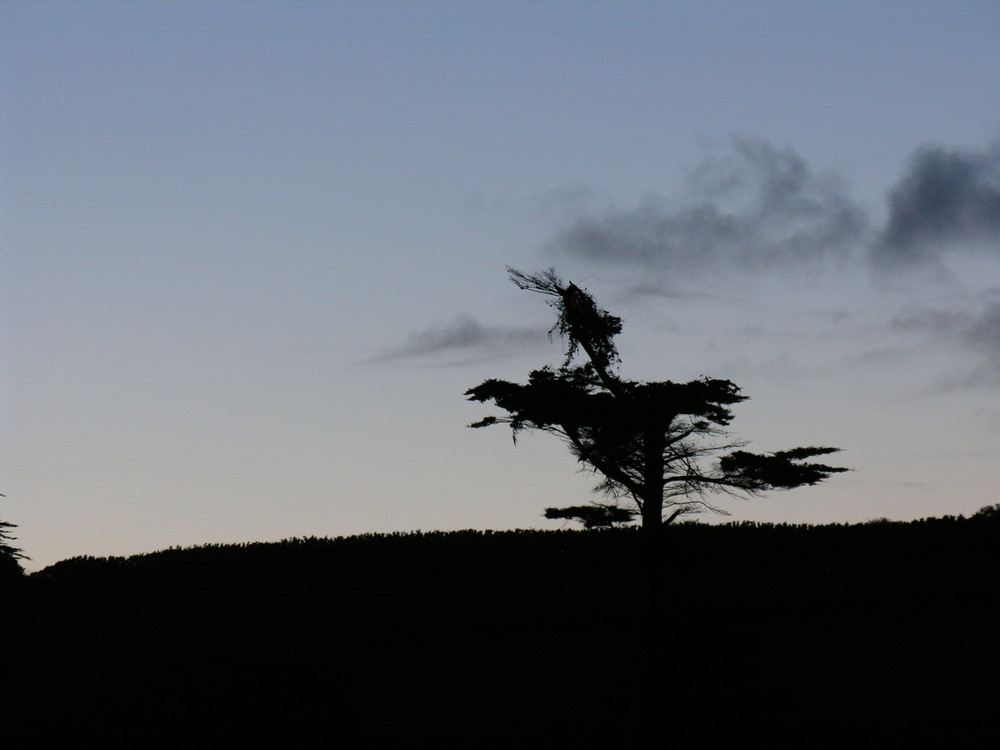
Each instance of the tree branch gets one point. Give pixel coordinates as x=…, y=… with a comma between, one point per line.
x=609, y=470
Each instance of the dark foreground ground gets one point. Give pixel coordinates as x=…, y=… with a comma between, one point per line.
x=474, y=639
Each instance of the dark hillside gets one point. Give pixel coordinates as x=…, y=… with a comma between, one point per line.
x=478, y=638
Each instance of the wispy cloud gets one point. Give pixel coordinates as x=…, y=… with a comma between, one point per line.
x=464, y=337
x=977, y=331
x=946, y=200
x=757, y=208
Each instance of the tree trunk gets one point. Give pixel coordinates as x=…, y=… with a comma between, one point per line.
x=654, y=442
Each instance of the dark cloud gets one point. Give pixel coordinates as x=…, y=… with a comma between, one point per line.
x=945, y=199
x=465, y=336
x=758, y=207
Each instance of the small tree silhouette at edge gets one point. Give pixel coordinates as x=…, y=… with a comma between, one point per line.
x=9, y=554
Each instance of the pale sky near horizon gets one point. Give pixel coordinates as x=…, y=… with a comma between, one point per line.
x=254, y=253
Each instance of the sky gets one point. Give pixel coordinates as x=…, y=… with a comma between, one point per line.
x=254, y=253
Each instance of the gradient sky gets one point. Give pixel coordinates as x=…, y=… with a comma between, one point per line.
x=253, y=253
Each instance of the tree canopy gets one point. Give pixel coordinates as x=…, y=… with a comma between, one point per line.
x=661, y=447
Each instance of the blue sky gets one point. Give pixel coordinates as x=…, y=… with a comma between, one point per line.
x=253, y=253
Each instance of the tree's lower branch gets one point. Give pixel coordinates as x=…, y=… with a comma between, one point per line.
x=608, y=470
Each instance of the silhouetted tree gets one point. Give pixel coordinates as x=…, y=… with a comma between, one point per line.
x=9, y=554
x=660, y=445
x=988, y=513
